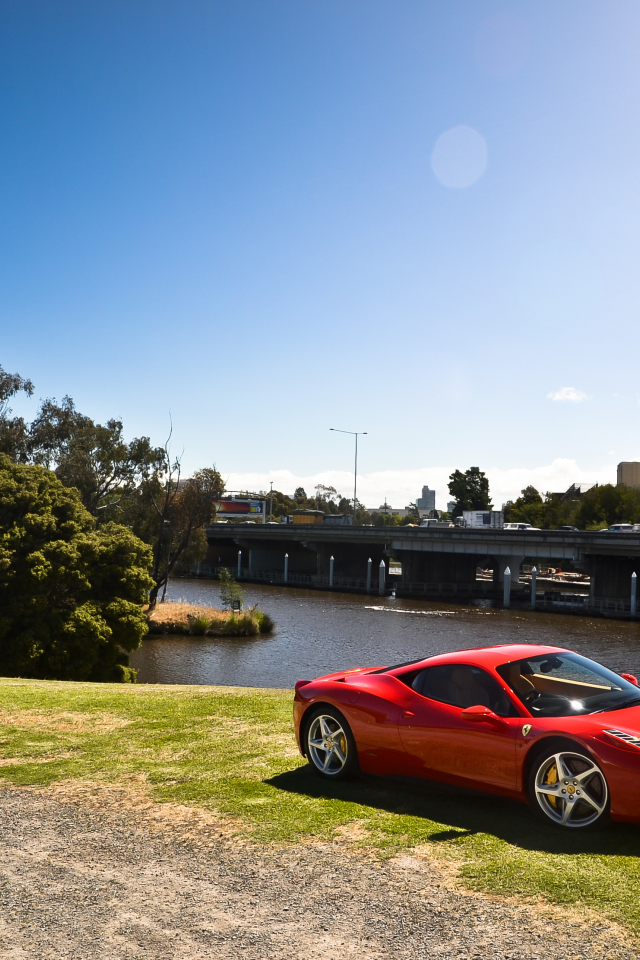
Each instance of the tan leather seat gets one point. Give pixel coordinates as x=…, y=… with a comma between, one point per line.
x=521, y=684
x=464, y=690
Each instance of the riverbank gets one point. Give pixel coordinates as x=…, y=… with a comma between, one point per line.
x=200, y=621
x=221, y=764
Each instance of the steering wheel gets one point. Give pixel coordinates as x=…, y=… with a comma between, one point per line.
x=531, y=695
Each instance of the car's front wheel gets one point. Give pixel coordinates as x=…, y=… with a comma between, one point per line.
x=329, y=744
x=569, y=789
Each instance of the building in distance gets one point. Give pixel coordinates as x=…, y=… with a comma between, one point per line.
x=427, y=502
x=629, y=474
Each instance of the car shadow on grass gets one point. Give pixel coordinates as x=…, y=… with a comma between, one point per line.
x=462, y=813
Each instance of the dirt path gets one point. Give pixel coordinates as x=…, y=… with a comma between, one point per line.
x=88, y=878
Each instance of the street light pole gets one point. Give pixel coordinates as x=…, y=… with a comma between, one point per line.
x=353, y=433
x=271, y=501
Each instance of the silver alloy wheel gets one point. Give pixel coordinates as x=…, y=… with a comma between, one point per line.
x=327, y=744
x=571, y=790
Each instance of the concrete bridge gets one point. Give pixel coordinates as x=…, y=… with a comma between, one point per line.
x=434, y=560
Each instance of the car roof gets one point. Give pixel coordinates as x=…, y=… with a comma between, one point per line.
x=487, y=656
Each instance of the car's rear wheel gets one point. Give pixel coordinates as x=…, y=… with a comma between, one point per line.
x=569, y=790
x=329, y=744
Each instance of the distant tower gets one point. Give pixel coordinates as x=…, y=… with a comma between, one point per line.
x=427, y=501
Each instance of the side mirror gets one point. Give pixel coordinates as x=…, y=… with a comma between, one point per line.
x=630, y=677
x=479, y=713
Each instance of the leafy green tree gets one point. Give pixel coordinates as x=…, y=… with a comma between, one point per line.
x=470, y=490
x=413, y=516
x=93, y=457
x=195, y=552
x=528, y=508
x=178, y=508
x=90, y=456
x=71, y=596
x=362, y=514
x=385, y=519
x=326, y=498
x=13, y=430
x=603, y=505
x=230, y=593
x=409, y=518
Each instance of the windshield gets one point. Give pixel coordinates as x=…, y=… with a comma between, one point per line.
x=567, y=685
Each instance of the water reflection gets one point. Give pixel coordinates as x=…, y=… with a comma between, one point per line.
x=320, y=632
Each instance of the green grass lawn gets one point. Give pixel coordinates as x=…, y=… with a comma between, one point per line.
x=232, y=751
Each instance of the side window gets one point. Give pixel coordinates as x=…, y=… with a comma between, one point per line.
x=462, y=685
x=420, y=680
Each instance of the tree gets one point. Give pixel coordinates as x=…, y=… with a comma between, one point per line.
x=299, y=493
x=385, y=519
x=90, y=456
x=528, y=508
x=230, y=593
x=10, y=384
x=326, y=498
x=192, y=554
x=180, y=507
x=603, y=505
x=13, y=430
x=71, y=596
x=530, y=496
x=470, y=489
x=131, y=481
x=413, y=514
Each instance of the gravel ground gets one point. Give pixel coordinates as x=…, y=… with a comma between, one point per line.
x=93, y=875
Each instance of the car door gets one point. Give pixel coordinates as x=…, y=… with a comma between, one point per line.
x=373, y=705
x=442, y=744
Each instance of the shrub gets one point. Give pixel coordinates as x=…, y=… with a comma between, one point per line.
x=71, y=596
x=266, y=623
x=243, y=626
x=198, y=626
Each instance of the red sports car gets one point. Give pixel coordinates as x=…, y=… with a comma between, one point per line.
x=534, y=723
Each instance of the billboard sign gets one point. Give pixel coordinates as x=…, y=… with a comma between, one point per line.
x=238, y=508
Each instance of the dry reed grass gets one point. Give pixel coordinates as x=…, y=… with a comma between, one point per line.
x=186, y=618
x=180, y=613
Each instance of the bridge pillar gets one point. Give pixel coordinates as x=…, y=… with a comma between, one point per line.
x=610, y=576
x=514, y=563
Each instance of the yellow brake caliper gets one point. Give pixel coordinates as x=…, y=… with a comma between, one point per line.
x=551, y=778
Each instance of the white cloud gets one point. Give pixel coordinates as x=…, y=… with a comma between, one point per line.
x=568, y=393
x=401, y=487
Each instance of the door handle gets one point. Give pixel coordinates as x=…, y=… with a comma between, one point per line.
x=407, y=713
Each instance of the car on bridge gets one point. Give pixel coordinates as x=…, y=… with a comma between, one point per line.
x=526, y=527
x=539, y=724
x=622, y=528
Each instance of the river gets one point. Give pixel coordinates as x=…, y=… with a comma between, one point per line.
x=320, y=632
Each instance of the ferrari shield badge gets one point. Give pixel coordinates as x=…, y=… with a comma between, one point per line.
x=526, y=729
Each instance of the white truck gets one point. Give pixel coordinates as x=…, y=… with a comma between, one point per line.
x=487, y=519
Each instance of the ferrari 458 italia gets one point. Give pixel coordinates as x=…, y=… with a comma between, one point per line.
x=536, y=723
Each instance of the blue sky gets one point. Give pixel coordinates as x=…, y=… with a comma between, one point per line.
x=241, y=214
